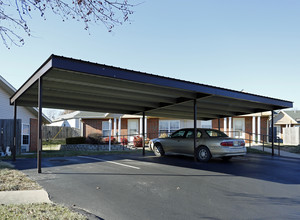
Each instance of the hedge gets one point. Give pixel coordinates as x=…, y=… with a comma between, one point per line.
x=75, y=140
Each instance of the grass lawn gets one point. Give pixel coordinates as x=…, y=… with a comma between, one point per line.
x=38, y=211
x=11, y=180
x=255, y=151
x=288, y=148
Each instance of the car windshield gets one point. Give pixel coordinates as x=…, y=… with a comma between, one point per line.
x=215, y=133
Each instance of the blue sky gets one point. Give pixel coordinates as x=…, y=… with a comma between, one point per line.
x=249, y=45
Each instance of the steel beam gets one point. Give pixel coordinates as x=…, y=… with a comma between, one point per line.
x=143, y=131
x=15, y=133
x=272, y=130
x=195, y=129
x=39, y=130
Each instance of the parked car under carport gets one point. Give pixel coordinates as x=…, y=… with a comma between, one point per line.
x=210, y=144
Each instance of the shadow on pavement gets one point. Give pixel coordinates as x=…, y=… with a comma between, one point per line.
x=274, y=169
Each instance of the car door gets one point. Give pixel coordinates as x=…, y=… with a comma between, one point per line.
x=187, y=144
x=174, y=143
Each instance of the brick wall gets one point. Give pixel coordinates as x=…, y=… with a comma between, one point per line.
x=152, y=127
x=215, y=124
x=91, y=126
x=248, y=126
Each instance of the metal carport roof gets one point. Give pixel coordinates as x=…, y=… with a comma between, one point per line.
x=75, y=84
x=66, y=83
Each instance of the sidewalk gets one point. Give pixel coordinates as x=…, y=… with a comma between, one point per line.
x=282, y=153
x=24, y=197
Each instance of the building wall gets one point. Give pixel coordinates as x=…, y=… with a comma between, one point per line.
x=7, y=110
x=248, y=126
x=152, y=127
x=91, y=126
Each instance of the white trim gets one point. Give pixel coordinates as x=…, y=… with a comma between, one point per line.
x=119, y=128
x=253, y=129
x=258, y=128
x=229, y=127
x=109, y=141
x=115, y=127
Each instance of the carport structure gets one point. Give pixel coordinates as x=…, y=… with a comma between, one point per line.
x=66, y=83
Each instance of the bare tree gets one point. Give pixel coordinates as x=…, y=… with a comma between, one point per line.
x=13, y=15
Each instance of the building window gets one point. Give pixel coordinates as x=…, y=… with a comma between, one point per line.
x=105, y=128
x=25, y=134
x=168, y=126
x=206, y=124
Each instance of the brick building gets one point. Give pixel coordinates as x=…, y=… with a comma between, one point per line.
x=250, y=127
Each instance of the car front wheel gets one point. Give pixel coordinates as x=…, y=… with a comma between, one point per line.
x=203, y=154
x=158, y=150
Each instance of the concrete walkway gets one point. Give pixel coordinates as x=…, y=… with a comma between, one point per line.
x=282, y=153
x=24, y=197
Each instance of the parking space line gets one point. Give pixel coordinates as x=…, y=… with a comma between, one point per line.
x=116, y=163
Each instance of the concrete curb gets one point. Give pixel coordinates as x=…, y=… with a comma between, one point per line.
x=24, y=197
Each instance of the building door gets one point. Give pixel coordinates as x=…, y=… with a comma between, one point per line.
x=25, y=137
x=133, y=127
x=239, y=127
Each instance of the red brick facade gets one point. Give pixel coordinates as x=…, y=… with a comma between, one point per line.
x=248, y=126
x=91, y=126
x=152, y=127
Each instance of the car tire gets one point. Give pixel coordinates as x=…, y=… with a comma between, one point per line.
x=158, y=150
x=226, y=158
x=203, y=154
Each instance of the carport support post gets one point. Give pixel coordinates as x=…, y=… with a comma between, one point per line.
x=143, y=133
x=14, y=148
x=39, y=131
x=272, y=130
x=195, y=129
x=219, y=124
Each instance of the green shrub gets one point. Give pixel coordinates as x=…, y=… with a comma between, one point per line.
x=75, y=140
x=94, y=138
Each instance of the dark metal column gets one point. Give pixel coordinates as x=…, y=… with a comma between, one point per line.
x=195, y=129
x=14, y=149
x=219, y=124
x=272, y=131
x=39, y=130
x=143, y=131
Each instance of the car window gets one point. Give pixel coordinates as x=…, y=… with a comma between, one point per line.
x=178, y=134
x=190, y=134
x=215, y=133
x=199, y=134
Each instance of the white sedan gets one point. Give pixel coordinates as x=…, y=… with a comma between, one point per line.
x=210, y=144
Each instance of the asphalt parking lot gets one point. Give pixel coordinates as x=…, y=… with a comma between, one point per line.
x=174, y=187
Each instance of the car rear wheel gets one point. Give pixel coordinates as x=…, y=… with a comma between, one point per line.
x=203, y=154
x=158, y=150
